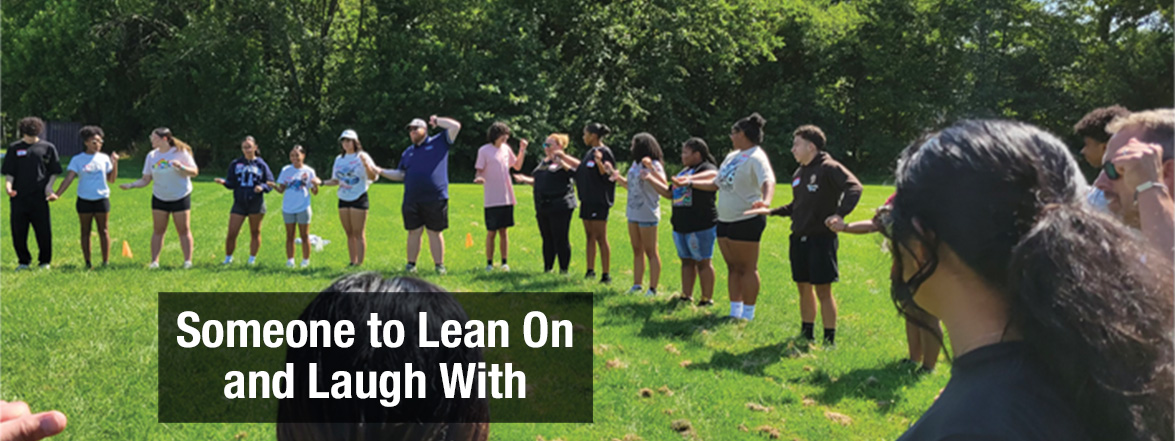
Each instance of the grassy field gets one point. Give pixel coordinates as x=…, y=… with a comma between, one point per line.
x=84, y=342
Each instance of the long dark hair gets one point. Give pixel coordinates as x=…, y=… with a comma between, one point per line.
x=598, y=129
x=751, y=126
x=1006, y=197
x=356, y=297
x=644, y=145
x=699, y=145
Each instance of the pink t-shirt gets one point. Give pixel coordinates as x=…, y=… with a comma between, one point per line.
x=495, y=163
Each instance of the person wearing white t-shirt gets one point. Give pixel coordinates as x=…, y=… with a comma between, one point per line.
x=353, y=172
x=171, y=167
x=94, y=170
x=745, y=185
x=296, y=183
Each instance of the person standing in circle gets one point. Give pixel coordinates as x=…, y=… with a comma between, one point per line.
x=29, y=169
x=353, y=172
x=554, y=200
x=248, y=178
x=597, y=191
x=494, y=162
x=296, y=182
x=745, y=185
x=643, y=208
x=695, y=217
x=171, y=167
x=94, y=171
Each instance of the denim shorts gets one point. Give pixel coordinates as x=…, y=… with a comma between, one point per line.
x=696, y=245
x=645, y=224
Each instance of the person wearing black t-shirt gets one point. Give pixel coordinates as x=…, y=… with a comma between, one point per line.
x=695, y=219
x=1060, y=331
x=597, y=192
x=554, y=200
x=30, y=167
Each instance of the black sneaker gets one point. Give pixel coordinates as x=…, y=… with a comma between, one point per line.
x=606, y=278
x=591, y=274
x=704, y=303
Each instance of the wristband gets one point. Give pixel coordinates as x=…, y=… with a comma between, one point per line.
x=1147, y=186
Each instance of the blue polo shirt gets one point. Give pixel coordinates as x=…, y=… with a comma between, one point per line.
x=426, y=170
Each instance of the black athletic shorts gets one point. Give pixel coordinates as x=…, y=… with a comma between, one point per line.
x=499, y=217
x=747, y=230
x=433, y=215
x=813, y=258
x=183, y=204
x=98, y=206
x=594, y=212
x=245, y=208
x=359, y=203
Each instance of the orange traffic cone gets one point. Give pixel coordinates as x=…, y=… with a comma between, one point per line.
x=126, y=250
x=468, y=240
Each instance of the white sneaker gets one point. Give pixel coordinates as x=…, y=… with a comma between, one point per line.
x=410, y=268
x=489, y=268
x=153, y=265
x=636, y=289
x=651, y=293
x=188, y=265
x=290, y=263
x=252, y=260
x=505, y=267
x=305, y=263
x=228, y=260
x=45, y=266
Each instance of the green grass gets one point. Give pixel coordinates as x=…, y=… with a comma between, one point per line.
x=84, y=342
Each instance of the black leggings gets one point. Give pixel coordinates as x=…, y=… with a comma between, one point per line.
x=31, y=212
x=554, y=226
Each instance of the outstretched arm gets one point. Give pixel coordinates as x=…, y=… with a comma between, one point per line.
x=451, y=126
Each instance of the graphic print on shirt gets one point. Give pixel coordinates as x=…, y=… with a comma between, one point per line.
x=93, y=167
x=812, y=185
x=349, y=174
x=726, y=174
x=683, y=196
x=298, y=181
x=245, y=174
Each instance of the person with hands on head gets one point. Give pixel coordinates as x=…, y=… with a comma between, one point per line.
x=1138, y=174
x=495, y=159
x=94, y=171
x=424, y=168
x=695, y=217
x=30, y=168
x=171, y=167
x=18, y=423
x=745, y=184
x=554, y=200
x=353, y=172
x=296, y=183
x=645, y=176
x=248, y=177
x=823, y=193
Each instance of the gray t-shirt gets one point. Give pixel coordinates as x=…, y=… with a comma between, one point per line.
x=644, y=204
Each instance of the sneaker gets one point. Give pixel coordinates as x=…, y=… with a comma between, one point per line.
x=22, y=267
x=153, y=265
x=505, y=267
x=44, y=266
x=228, y=260
x=704, y=303
x=88, y=265
x=410, y=268
x=651, y=293
x=290, y=263
x=305, y=263
x=562, y=272
x=252, y=261
x=591, y=274
x=635, y=289
x=606, y=278
x=684, y=299
x=188, y=265
x=441, y=270
x=489, y=268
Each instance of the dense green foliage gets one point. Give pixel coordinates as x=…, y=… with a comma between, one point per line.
x=873, y=73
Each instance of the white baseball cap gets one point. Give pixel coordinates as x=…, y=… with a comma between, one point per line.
x=349, y=134
x=417, y=122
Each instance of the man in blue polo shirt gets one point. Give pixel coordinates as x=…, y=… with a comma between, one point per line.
x=424, y=168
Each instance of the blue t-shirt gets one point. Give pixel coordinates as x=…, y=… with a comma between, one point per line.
x=426, y=170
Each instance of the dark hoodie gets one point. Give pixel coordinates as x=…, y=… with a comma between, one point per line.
x=820, y=189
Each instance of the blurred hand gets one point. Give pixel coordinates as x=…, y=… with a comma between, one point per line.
x=522, y=143
x=218, y=181
x=680, y=181
x=258, y=189
x=518, y=179
x=50, y=196
x=761, y=204
x=599, y=156
x=11, y=193
x=757, y=211
x=114, y=156
x=176, y=165
x=835, y=223
x=18, y=424
x=432, y=121
x=123, y=186
x=1139, y=163
x=647, y=162
x=645, y=176
x=479, y=180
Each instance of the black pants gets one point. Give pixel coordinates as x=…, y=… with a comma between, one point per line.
x=554, y=225
x=35, y=212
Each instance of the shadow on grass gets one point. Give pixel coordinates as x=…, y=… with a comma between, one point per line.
x=755, y=361
x=882, y=385
x=636, y=310
x=682, y=329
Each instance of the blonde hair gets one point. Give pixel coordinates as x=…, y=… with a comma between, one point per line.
x=1157, y=125
x=561, y=138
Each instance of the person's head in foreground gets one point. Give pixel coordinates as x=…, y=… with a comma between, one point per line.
x=1059, y=331
x=1092, y=130
x=1140, y=151
x=355, y=297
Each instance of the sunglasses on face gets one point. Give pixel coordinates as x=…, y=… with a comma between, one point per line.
x=1111, y=171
